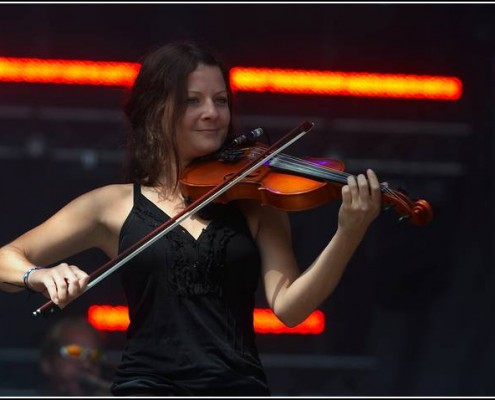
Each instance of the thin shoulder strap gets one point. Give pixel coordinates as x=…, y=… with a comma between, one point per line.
x=137, y=192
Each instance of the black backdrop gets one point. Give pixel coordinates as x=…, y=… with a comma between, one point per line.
x=414, y=312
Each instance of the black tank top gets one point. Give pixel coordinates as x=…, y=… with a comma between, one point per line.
x=191, y=308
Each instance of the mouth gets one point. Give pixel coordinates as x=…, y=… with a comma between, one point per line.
x=212, y=130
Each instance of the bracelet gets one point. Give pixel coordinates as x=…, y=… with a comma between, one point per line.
x=25, y=278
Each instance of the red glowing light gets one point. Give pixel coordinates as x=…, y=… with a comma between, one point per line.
x=290, y=81
x=345, y=83
x=68, y=72
x=116, y=318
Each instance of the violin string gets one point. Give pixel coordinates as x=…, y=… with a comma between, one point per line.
x=313, y=169
x=302, y=166
x=326, y=173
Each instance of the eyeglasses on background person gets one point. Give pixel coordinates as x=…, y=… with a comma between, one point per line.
x=78, y=352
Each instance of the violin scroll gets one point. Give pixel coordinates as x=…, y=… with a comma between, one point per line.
x=418, y=212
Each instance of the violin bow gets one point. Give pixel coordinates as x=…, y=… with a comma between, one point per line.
x=114, y=264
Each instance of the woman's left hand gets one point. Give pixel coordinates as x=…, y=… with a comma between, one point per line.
x=361, y=202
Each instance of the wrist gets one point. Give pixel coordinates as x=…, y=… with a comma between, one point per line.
x=25, y=278
x=351, y=235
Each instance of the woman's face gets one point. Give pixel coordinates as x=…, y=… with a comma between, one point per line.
x=203, y=128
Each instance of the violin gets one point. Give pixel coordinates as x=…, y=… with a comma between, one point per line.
x=288, y=183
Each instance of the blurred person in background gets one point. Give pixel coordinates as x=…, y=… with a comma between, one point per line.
x=71, y=360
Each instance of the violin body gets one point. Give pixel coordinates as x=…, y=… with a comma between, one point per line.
x=288, y=183
x=288, y=192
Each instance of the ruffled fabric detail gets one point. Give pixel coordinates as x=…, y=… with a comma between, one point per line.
x=198, y=268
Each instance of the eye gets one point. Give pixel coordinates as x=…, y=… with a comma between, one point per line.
x=192, y=100
x=221, y=100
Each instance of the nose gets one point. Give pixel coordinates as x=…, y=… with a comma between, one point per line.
x=210, y=110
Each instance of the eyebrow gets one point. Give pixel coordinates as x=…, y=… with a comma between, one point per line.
x=199, y=92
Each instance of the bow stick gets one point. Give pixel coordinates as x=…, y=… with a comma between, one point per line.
x=111, y=266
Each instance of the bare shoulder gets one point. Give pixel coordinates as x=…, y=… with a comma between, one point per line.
x=111, y=192
x=114, y=201
x=106, y=196
x=107, y=205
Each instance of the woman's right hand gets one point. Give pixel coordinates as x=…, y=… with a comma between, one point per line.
x=61, y=283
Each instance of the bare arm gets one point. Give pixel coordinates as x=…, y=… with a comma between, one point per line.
x=80, y=225
x=292, y=295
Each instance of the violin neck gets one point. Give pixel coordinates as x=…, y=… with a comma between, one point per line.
x=307, y=169
x=418, y=212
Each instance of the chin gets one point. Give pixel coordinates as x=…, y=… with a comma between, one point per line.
x=212, y=145
x=202, y=151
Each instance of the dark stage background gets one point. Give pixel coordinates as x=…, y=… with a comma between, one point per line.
x=413, y=315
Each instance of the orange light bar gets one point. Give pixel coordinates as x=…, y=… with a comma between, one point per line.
x=69, y=72
x=265, y=321
x=109, y=318
x=345, y=83
x=116, y=318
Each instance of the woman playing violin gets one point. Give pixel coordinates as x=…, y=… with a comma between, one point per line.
x=190, y=294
